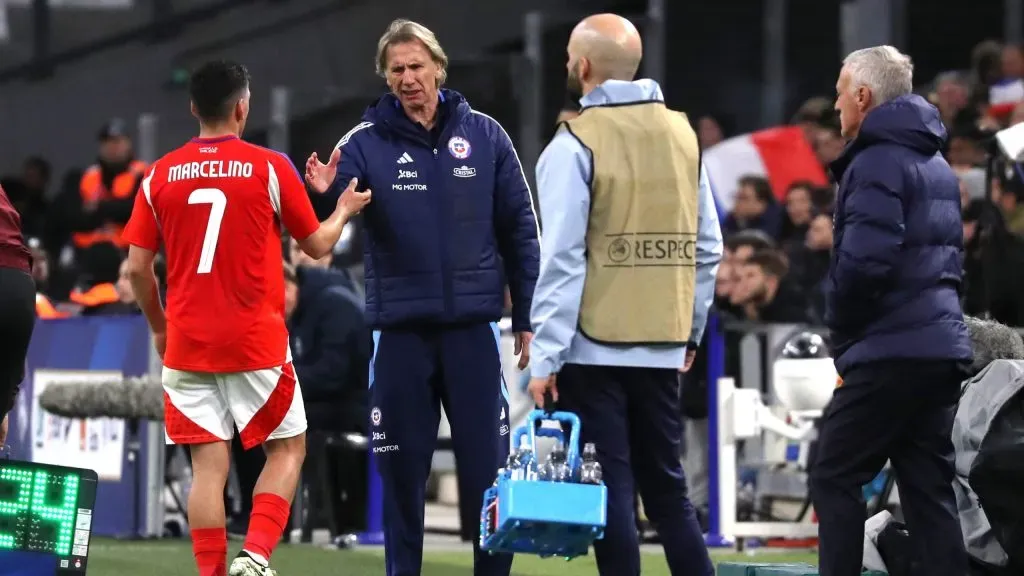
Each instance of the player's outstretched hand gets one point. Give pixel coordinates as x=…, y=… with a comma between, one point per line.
x=351, y=201
x=320, y=176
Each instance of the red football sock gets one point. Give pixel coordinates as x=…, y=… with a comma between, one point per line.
x=210, y=547
x=266, y=524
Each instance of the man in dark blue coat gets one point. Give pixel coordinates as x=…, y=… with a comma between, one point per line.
x=451, y=221
x=892, y=305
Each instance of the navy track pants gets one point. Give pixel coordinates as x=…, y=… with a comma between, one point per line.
x=900, y=410
x=413, y=373
x=633, y=416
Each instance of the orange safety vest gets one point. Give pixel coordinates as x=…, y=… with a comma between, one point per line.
x=46, y=309
x=92, y=190
x=98, y=295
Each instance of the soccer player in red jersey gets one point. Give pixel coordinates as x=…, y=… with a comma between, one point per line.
x=217, y=205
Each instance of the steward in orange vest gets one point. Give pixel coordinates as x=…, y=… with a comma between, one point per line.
x=106, y=195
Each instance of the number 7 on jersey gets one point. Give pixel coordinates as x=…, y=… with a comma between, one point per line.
x=218, y=202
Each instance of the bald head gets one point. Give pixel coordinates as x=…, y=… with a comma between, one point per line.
x=611, y=45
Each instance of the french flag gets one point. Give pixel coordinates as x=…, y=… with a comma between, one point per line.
x=782, y=155
x=1004, y=96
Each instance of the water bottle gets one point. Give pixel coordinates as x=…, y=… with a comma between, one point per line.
x=590, y=469
x=556, y=468
x=520, y=460
x=527, y=464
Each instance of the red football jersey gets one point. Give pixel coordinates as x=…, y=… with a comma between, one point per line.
x=217, y=205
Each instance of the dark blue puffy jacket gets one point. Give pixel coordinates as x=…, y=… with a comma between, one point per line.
x=451, y=216
x=893, y=285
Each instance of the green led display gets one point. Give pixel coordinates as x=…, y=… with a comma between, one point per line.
x=38, y=508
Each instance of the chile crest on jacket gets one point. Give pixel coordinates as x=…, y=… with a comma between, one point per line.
x=447, y=205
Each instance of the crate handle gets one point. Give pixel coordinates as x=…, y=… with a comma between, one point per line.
x=536, y=417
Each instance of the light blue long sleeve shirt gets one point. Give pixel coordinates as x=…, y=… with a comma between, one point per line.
x=563, y=173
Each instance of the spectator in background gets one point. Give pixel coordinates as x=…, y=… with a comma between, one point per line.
x=326, y=326
x=964, y=148
x=809, y=263
x=809, y=115
x=97, y=210
x=986, y=68
x=1007, y=192
x=799, y=211
x=951, y=96
x=332, y=275
x=45, y=307
x=738, y=248
x=711, y=129
x=993, y=266
x=108, y=298
x=828, y=142
x=755, y=208
x=29, y=196
x=764, y=294
x=1012, y=62
x=331, y=349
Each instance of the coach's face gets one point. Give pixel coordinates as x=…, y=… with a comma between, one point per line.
x=412, y=74
x=852, y=102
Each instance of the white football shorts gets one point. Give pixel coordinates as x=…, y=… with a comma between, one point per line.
x=201, y=407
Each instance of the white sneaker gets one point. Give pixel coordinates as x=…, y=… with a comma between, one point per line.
x=245, y=565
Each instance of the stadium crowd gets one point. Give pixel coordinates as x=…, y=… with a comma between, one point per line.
x=777, y=251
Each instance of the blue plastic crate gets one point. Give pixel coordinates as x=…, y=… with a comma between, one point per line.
x=544, y=518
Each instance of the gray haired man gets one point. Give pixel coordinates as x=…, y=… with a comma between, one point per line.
x=893, y=310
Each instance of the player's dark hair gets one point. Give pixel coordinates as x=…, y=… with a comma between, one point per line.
x=215, y=87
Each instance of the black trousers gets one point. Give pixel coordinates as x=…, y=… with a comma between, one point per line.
x=17, y=318
x=633, y=417
x=901, y=411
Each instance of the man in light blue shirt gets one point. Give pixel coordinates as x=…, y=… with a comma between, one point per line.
x=623, y=383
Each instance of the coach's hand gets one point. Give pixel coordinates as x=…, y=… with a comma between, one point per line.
x=351, y=201
x=160, y=342
x=3, y=430
x=537, y=388
x=320, y=176
x=522, y=350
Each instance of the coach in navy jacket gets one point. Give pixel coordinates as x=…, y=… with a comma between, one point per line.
x=448, y=205
x=451, y=218
x=894, y=280
x=901, y=344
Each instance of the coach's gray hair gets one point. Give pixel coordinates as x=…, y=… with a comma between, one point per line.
x=992, y=341
x=884, y=70
x=402, y=31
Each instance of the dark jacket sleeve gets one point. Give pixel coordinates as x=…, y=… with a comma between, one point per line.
x=516, y=229
x=350, y=166
x=873, y=231
x=322, y=375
